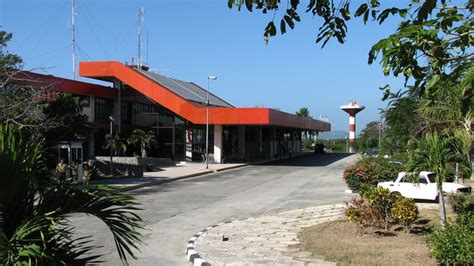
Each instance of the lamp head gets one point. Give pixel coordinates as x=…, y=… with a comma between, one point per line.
x=111, y=119
x=212, y=77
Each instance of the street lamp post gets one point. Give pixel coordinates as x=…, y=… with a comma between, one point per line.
x=207, y=120
x=111, y=119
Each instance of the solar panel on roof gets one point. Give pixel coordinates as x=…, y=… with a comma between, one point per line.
x=187, y=90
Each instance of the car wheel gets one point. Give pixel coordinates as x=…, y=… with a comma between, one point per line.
x=396, y=194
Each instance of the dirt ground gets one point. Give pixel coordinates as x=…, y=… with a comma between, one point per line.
x=344, y=243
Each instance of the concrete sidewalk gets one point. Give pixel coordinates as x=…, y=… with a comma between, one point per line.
x=167, y=174
x=180, y=171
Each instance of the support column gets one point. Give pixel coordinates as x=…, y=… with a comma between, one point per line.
x=117, y=106
x=241, y=138
x=91, y=147
x=92, y=119
x=273, y=143
x=352, y=129
x=218, y=143
x=173, y=145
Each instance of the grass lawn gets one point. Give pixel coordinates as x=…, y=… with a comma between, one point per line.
x=343, y=242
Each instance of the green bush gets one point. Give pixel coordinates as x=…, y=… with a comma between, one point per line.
x=370, y=171
x=354, y=176
x=466, y=219
x=461, y=203
x=359, y=211
x=377, y=208
x=381, y=200
x=404, y=211
x=307, y=144
x=453, y=245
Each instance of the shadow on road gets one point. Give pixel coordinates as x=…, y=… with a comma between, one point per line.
x=311, y=160
x=151, y=189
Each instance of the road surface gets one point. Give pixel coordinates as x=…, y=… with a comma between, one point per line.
x=175, y=211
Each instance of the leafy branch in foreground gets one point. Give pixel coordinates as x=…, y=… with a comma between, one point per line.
x=432, y=41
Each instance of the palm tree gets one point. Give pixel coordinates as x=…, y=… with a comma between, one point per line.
x=34, y=228
x=303, y=112
x=433, y=152
x=64, y=113
x=114, y=142
x=447, y=109
x=145, y=139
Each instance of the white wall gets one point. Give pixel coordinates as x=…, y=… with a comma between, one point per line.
x=218, y=145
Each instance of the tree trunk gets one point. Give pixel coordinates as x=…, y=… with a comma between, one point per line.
x=442, y=208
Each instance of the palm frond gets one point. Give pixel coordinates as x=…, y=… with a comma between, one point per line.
x=33, y=212
x=115, y=209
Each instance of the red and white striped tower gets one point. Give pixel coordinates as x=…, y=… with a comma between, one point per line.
x=352, y=109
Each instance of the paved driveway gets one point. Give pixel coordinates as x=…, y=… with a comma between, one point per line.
x=175, y=211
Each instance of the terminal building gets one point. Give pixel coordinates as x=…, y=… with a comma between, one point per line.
x=176, y=110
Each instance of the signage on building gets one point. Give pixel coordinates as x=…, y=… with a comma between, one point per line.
x=189, y=144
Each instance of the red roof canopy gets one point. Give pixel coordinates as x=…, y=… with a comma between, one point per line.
x=192, y=111
x=36, y=80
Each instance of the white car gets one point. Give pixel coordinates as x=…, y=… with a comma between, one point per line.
x=424, y=189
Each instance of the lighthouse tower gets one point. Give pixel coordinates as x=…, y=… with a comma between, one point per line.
x=352, y=109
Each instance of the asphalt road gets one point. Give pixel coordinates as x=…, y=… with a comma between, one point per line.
x=175, y=211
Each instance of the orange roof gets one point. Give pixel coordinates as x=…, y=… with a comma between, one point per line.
x=192, y=111
x=65, y=85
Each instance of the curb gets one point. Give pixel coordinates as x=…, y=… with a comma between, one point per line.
x=154, y=183
x=159, y=182
x=191, y=253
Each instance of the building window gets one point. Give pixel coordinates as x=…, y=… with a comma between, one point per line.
x=103, y=109
x=126, y=113
x=146, y=108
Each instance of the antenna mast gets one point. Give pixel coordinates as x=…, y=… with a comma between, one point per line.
x=147, y=62
x=73, y=14
x=141, y=14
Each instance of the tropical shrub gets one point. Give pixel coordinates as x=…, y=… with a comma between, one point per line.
x=377, y=208
x=404, y=211
x=461, y=203
x=145, y=140
x=115, y=143
x=359, y=211
x=307, y=144
x=370, y=171
x=454, y=245
x=380, y=199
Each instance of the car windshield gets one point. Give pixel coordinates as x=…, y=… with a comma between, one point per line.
x=432, y=177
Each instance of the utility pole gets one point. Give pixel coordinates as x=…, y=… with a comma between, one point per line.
x=73, y=14
x=141, y=14
x=146, y=63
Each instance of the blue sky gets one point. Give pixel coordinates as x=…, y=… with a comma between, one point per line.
x=191, y=41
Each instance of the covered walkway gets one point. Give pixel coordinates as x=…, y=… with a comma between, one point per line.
x=178, y=114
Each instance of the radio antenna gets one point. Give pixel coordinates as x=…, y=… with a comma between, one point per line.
x=73, y=15
x=141, y=14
